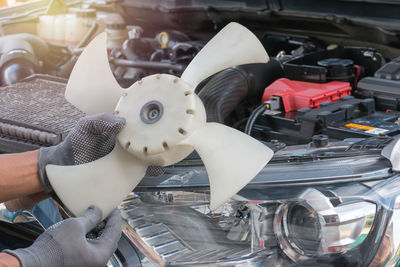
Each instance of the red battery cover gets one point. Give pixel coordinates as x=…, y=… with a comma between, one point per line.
x=296, y=95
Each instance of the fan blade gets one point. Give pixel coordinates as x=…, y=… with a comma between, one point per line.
x=92, y=87
x=104, y=182
x=233, y=45
x=232, y=159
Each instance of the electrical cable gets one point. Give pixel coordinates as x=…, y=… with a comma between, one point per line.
x=239, y=123
x=253, y=117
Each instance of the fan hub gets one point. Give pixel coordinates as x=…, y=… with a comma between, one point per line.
x=160, y=110
x=151, y=112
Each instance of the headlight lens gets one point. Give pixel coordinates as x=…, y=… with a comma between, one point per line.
x=303, y=227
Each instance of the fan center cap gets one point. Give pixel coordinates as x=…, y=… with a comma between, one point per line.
x=151, y=112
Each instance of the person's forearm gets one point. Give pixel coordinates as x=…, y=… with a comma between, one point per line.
x=26, y=202
x=7, y=260
x=19, y=175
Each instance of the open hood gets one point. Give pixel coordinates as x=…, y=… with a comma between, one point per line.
x=373, y=22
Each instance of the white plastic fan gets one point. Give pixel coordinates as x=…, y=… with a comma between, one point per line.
x=165, y=121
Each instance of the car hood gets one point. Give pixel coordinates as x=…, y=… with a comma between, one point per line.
x=371, y=23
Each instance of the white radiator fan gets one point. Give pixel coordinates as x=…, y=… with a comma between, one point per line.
x=165, y=122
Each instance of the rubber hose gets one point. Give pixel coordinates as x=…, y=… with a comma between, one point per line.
x=226, y=89
x=19, y=56
x=222, y=93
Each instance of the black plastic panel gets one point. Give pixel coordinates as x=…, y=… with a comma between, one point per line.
x=386, y=92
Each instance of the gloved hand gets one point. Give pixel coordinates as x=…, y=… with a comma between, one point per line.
x=93, y=137
x=66, y=244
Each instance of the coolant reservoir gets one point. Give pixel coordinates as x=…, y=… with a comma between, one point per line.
x=59, y=29
x=45, y=27
x=115, y=28
x=78, y=25
x=116, y=34
x=106, y=17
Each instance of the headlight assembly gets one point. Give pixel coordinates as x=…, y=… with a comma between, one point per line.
x=311, y=224
x=176, y=228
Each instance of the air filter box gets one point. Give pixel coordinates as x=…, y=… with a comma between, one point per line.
x=296, y=95
x=34, y=113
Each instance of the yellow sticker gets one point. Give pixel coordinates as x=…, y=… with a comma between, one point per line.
x=359, y=126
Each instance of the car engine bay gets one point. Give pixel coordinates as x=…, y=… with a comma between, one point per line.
x=307, y=91
x=326, y=105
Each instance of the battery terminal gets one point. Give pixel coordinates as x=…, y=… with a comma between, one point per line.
x=273, y=105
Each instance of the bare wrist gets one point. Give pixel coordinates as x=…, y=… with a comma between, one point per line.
x=8, y=260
